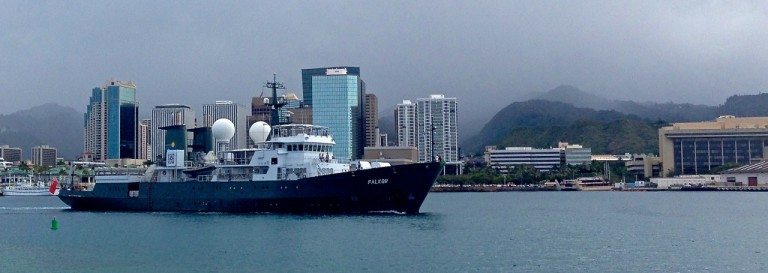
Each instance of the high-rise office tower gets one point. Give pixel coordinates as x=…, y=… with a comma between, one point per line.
x=371, y=120
x=145, y=148
x=10, y=154
x=405, y=120
x=437, y=134
x=44, y=155
x=337, y=103
x=168, y=115
x=306, y=79
x=234, y=112
x=111, y=121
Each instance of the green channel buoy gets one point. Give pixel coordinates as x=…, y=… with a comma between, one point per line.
x=54, y=223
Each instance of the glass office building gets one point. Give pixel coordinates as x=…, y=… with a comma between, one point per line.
x=111, y=121
x=307, y=74
x=702, y=154
x=338, y=102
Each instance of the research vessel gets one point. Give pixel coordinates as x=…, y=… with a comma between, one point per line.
x=291, y=169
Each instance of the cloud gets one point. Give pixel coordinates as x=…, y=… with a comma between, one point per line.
x=486, y=53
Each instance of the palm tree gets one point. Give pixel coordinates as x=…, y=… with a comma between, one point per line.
x=24, y=167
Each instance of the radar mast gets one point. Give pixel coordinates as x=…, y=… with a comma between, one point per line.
x=274, y=102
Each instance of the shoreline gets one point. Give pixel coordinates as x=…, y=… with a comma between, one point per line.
x=505, y=188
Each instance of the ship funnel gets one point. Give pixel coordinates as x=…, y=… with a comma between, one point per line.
x=259, y=131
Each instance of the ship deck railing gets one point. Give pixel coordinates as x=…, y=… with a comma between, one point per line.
x=236, y=161
x=118, y=171
x=290, y=130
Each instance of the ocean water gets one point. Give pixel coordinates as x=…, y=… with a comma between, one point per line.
x=457, y=232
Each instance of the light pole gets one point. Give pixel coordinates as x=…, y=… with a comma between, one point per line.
x=432, y=138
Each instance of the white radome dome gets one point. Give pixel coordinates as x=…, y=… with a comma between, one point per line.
x=259, y=131
x=223, y=129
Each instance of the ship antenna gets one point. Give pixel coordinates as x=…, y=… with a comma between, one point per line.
x=274, y=102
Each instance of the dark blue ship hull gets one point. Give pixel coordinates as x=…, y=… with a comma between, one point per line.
x=401, y=188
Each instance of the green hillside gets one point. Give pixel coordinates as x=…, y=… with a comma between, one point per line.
x=612, y=137
x=621, y=127
x=540, y=123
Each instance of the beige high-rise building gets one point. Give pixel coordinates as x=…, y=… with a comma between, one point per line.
x=144, y=143
x=371, y=120
x=704, y=147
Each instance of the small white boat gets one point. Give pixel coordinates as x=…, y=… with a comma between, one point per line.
x=23, y=186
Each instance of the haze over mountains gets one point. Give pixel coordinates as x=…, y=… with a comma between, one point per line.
x=564, y=113
x=555, y=115
x=48, y=124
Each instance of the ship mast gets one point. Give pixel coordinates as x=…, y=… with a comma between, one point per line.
x=274, y=102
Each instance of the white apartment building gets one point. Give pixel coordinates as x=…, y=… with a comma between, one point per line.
x=437, y=134
x=405, y=120
x=541, y=159
x=235, y=112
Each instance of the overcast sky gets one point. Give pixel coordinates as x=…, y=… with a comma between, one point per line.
x=487, y=54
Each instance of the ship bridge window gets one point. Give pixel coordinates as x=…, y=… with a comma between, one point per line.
x=301, y=147
x=290, y=148
x=264, y=146
x=260, y=169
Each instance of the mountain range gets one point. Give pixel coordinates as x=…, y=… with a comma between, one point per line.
x=564, y=113
x=49, y=124
x=572, y=115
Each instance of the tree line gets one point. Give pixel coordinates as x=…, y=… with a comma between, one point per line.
x=481, y=174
